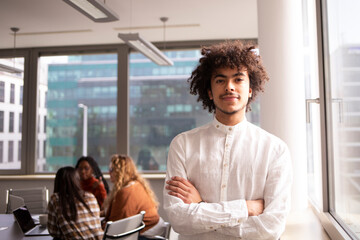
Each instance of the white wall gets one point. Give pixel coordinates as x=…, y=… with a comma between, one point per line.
x=282, y=110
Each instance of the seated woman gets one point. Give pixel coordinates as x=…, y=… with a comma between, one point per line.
x=72, y=212
x=91, y=178
x=130, y=195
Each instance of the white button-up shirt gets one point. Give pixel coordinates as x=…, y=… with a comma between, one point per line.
x=229, y=165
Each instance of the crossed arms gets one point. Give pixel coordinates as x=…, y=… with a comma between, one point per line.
x=182, y=188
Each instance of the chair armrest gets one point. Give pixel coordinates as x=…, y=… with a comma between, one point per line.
x=126, y=233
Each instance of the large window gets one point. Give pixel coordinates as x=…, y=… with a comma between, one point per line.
x=343, y=105
x=75, y=105
x=11, y=83
x=67, y=86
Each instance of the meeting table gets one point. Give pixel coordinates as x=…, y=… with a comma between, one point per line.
x=10, y=230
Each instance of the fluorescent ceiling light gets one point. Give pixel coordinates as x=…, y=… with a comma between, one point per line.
x=94, y=9
x=146, y=48
x=9, y=69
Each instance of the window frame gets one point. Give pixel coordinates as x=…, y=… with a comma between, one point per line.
x=330, y=222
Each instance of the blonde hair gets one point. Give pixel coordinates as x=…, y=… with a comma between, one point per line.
x=125, y=171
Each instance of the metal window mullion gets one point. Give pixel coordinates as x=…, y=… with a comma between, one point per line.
x=32, y=109
x=123, y=102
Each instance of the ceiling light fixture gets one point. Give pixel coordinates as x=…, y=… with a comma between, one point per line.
x=6, y=67
x=146, y=48
x=94, y=9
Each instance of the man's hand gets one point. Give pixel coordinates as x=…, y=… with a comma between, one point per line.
x=183, y=189
x=255, y=207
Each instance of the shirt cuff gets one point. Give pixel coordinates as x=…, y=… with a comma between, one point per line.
x=239, y=211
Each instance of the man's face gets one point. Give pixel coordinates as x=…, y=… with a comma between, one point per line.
x=230, y=91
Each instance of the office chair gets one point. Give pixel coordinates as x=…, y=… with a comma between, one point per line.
x=125, y=229
x=36, y=199
x=166, y=232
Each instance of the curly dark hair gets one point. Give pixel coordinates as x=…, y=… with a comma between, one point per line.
x=229, y=54
x=95, y=168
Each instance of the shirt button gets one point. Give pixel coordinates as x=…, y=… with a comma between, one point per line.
x=225, y=164
x=226, y=145
x=211, y=227
x=223, y=186
x=217, y=126
x=230, y=129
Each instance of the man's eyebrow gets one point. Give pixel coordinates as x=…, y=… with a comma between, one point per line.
x=235, y=75
x=239, y=74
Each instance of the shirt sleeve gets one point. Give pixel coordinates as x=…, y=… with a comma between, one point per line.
x=100, y=193
x=194, y=218
x=52, y=220
x=277, y=195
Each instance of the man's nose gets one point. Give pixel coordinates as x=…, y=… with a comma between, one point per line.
x=229, y=87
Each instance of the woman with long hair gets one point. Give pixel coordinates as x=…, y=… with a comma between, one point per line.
x=72, y=212
x=92, y=179
x=131, y=194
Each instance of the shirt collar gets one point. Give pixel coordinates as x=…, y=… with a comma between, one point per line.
x=229, y=129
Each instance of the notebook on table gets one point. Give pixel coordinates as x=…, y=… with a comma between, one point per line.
x=27, y=224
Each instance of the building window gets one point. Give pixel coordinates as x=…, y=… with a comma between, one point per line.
x=11, y=151
x=11, y=122
x=2, y=91
x=1, y=121
x=20, y=122
x=1, y=151
x=12, y=93
x=21, y=95
x=19, y=151
x=44, y=125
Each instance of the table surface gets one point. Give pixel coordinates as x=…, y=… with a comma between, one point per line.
x=10, y=230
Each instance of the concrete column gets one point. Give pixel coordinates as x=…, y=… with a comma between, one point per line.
x=282, y=108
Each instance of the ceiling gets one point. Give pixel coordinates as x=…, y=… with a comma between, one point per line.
x=55, y=23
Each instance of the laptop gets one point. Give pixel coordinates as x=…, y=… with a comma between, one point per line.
x=27, y=224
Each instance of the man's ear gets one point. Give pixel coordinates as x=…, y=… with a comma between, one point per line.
x=210, y=94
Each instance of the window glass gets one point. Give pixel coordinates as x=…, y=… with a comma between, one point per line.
x=344, y=104
x=11, y=85
x=1, y=121
x=1, y=152
x=12, y=93
x=2, y=91
x=11, y=122
x=162, y=107
x=67, y=85
x=11, y=151
x=313, y=131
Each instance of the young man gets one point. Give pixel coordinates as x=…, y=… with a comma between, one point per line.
x=228, y=179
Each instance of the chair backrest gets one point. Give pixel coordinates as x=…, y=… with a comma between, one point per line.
x=167, y=230
x=36, y=199
x=126, y=229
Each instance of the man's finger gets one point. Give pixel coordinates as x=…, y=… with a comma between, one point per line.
x=178, y=184
x=177, y=189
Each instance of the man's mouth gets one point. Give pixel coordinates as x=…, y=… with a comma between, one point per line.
x=230, y=96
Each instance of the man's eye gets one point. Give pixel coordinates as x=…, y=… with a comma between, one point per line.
x=239, y=79
x=219, y=81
